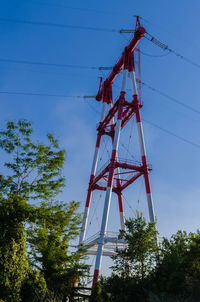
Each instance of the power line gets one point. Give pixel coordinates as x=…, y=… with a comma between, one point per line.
x=172, y=134
x=165, y=47
x=151, y=39
x=171, y=98
x=130, y=207
x=154, y=56
x=58, y=25
x=47, y=64
x=25, y=62
x=42, y=71
x=37, y=63
x=188, y=60
x=94, y=109
x=46, y=94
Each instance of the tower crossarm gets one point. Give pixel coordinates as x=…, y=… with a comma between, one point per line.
x=139, y=33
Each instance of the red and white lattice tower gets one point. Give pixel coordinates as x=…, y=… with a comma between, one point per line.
x=111, y=124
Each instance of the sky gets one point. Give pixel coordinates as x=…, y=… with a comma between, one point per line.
x=175, y=162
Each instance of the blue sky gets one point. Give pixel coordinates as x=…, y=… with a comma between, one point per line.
x=175, y=175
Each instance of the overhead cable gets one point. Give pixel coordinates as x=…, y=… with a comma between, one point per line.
x=47, y=95
x=148, y=36
x=167, y=96
x=171, y=98
x=49, y=24
x=173, y=134
x=47, y=64
x=165, y=47
x=154, y=56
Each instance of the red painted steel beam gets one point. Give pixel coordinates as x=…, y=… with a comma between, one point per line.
x=122, y=173
x=131, y=167
x=131, y=180
x=138, y=35
x=132, y=111
x=98, y=177
x=129, y=114
x=108, y=118
x=100, y=188
x=127, y=118
x=95, y=186
x=125, y=112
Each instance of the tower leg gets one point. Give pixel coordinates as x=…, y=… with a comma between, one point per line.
x=119, y=195
x=110, y=182
x=120, y=201
x=92, y=176
x=121, y=211
x=142, y=149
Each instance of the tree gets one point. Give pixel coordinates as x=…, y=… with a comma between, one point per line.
x=34, y=169
x=132, y=265
x=178, y=274
x=96, y=294
x=141, y=276
x=193, y=274
x=49, y=239
x=34, y=288
x=13, y=263
x=32, y=172
x=139, y=256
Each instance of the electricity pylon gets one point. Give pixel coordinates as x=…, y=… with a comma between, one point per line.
x=111, y=124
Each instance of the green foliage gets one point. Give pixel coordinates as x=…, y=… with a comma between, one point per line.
x=49, y=240
x=33, y=172
x=13, y=267
x=132, y=265
x=34, y=169
x=139, y=256
x=178, y=274
x=171, y=269
x=48, y=272
x=13, y=263
x=34, y=287
x=96, y=295
x=141, y=276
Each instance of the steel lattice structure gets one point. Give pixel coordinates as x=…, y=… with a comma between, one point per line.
x=111, y=124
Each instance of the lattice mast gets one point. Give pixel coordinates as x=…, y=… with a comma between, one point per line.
x=121, y=111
